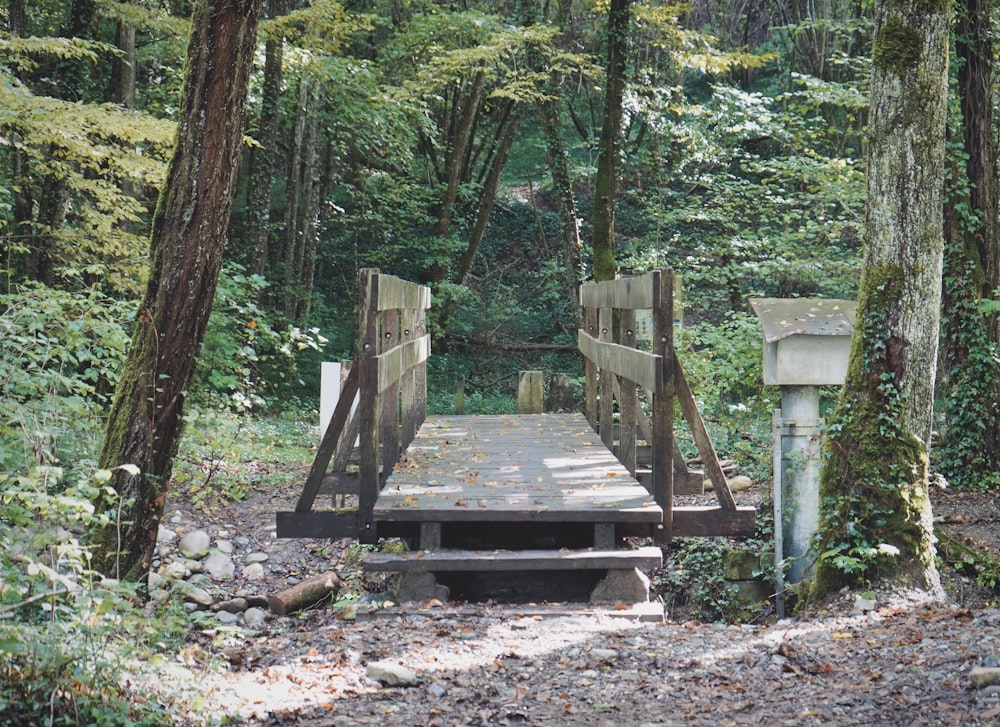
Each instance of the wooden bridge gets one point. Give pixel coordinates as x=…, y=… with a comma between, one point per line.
x=531, y=494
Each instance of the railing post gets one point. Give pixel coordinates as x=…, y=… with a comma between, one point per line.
x=590, y=371
x=663, y=403
x=368, y=402
x=607, y=383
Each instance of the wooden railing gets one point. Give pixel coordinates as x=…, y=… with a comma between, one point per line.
x=616, y=371
x=389, y=379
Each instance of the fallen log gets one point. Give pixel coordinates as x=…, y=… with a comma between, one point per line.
x=305, y=594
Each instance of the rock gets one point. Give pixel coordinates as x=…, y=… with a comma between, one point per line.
x=226, y=618
x=253, y=572
x=255, y=617
x=195, y=544
x=220, y=566
x=391, y=675
x=991, y=661
x=418, y=586
x=622, y=586
x=256, y=557
x=984, y=676
x=233, y=605
x=174, y=571
x=154, y=581
x=740, y=565
x=864, y=605
x=224, y=546
x=194, y=594
x=255, y=600
x=604, y=655
x=165, y=535
x=159, y=595
x=736, y=484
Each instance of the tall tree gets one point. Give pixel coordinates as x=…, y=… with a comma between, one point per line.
x=189, y=227
x=875, y=519
x=609, y=148
x=970, y=452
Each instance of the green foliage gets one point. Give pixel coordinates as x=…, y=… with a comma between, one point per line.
x=224, y=455
x=66, y=634
x=60, y=356
x=246, y=356
x=694, y=579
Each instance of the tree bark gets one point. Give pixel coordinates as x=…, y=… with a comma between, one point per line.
x=970, y=451
x=606, y=181
x=188, y=233
x=874, y=481
x=123, y=67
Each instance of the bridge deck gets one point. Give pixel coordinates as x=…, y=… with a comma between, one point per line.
x=542, y=468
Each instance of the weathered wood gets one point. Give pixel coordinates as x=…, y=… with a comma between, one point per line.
x=305, y=594
x=694, y=521
x=713, y=468
x=604, y=536
x=643, y=368
x=369, y=411
x=318, y=524
x=590, y=372
x=628, y=395
x=388, y=395
x=395, y=294
x=606, y=380
x=328, y=445
x=430, y=536
x=514, y=560
x=662, y=423
x=397, y=361
x=529, y=392
x=639, y=293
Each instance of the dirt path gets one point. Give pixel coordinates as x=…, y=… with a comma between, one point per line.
x=904, y=663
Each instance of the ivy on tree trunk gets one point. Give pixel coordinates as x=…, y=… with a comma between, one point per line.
x=875, y=519
x=189, y=228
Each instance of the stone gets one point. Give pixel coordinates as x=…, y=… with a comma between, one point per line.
x=253, y=572
x=220, y=566
x=740, y=565
x=984, y=676
x=224, y=546
x=195, y=544
x=256, y=557
x=604, y=655
x=233, y=605
x=159, y=595
x=194, y=594
x=165, y=535
x=154, y=581
x=226, y=618
x=421, y=586
x=390, y=674
x=174, y=571
x=622, y=586
x=255, y=617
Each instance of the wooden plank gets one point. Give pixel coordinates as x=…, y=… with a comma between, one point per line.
x=713, y=468
x=318, y=524
x=631, y=293
x=645, y=369
x=590, y=372
x=662, y=405
x=398, y=360
x=446, y=510
x=369, y=411
x=628, y=395
x=328, y=445
x=395, y=294
x=694, y=521
x=606, y=381
x=648, y=557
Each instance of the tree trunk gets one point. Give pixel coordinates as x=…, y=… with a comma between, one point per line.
x=606, y=181
x=875, y=521
x=263, y=160
x=456, y=167
x=970, y=451
x=188, y=233
x=123, y=66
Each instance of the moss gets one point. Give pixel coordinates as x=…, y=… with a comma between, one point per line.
x=898, y=47
x=873, y=482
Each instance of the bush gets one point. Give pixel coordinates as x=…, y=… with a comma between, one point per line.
x=67, y=636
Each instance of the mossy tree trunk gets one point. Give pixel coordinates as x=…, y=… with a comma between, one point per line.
x=970, y=452
x=875, y=519
x=189, y=227
x=609, y=147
